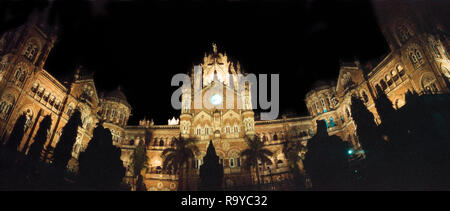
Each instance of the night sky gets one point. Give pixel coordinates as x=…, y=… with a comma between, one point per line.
x=140, y=45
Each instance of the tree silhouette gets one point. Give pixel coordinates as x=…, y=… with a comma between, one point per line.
x=100, y=166
x=326, y=161
x=17, y=133
x=366, y=129
x=255, y=153
x=40, y=138
x=384, y=106
x=420, y=151
x=292, y=148
x=179, y=157
x=63, y=150
x=139, y=161
x=211, y=171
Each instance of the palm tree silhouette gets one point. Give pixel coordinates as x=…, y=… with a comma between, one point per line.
x=292, y=148
x=178, y=157
x=139, y=161
x=255, y=153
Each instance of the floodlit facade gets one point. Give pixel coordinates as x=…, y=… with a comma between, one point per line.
x=418, y=61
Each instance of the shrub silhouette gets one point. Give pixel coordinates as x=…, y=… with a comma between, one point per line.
x=211, y=171
x=326, y=161
x=100, y=166
x=63, y=150
x=17, y=133
x=40, y=138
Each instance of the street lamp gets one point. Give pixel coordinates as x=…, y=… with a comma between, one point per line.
x=350, y=152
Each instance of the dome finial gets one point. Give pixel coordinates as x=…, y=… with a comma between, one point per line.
x=214, y=47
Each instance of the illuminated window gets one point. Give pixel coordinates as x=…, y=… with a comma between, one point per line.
x=35, y=87
x=70, y=109
x=415, y=57
x=323, y=105
x=231, y=162
x=31, y=50
x=404, y=32
x=435, y=47
x=365, y=97
x=332, y=124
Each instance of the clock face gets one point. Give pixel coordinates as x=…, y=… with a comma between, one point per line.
x=216, y=99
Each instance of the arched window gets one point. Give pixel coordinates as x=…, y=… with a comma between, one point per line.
x=236, y=129
x=317, y=108
x=232, y=164
x=388, y=79
x=2, y=106
x=57, y=104
x=51, y=101
x=161, y=142
x=378, y=88
x=158, y=169
x=70, y=109
x=329, y=102
x=275, y=137
x=46, y=95
x=404, y=32
x=415, y=56
x=365, y=97
x=332, y=123
x=31, y=50
x=435, y=47
x=383, y=84
x=35, y=87
x=429, y=83
x=323, y=105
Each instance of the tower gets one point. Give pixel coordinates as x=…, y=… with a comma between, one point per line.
x=23, y=52
x=217, y=107
x=420, y=46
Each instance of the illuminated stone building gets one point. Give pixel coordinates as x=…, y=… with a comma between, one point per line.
x=27, y=88
x=418, y=61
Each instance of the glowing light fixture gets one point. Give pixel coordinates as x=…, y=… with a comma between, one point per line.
x=216, y=99
x=350, y=151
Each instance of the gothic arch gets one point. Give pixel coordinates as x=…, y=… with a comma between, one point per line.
x=415, y=55
x=428, y=82
x=32, y=48
x=403, y=30
x=233, y=151
x=445, y=69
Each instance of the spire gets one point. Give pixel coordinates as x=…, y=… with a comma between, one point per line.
x=77, y=72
